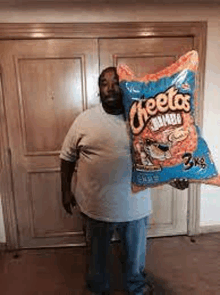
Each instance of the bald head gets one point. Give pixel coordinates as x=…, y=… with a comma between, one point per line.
x=110, y=92
x=107, y=70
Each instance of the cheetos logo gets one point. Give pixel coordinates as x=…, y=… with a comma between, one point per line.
x=142, y=110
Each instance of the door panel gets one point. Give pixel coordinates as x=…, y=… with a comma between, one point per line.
x=149, y=55
x=46, y=84
x=143, y=55
x=45, y=113
x=46, y=211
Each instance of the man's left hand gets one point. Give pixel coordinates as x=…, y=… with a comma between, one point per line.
x=181, y=183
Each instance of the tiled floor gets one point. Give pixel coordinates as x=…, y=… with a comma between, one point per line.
x=175, y=264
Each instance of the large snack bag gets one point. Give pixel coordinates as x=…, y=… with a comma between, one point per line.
x=166, y=143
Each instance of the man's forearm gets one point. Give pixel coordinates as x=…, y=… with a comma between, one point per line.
x=67, y=169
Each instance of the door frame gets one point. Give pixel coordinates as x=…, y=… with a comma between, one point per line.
x=37, y=31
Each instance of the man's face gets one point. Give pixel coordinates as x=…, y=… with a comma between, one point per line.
x=110, y=92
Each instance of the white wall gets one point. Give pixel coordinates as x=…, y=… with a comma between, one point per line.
x=210, y=196
x=102, y=11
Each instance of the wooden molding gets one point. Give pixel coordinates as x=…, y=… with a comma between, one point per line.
x=6, y=190
x=99, y=30
x=209, y=228
x=193, y=210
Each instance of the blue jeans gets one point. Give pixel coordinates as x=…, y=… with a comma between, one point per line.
x=133, y=239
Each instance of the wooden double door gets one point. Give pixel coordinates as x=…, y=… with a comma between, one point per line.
x=45, y=84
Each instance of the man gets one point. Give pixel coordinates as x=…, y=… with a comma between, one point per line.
x=98, y=144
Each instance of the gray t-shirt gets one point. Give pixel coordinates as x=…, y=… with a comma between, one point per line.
x=103, y=179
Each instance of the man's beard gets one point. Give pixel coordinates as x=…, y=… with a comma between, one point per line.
x=112, y=104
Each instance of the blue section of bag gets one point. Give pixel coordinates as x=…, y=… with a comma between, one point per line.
x=195, y=165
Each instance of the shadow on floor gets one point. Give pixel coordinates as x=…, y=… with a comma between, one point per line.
x=160, y=286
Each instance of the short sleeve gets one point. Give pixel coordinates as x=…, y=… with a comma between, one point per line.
x=69, y=150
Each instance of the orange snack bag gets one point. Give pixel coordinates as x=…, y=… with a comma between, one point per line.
x=166, y=143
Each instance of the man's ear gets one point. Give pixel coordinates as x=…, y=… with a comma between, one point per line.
x=125, y=73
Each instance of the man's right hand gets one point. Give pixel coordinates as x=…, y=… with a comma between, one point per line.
x=68, y=200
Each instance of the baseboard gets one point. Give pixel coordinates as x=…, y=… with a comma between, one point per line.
x=209, y=228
